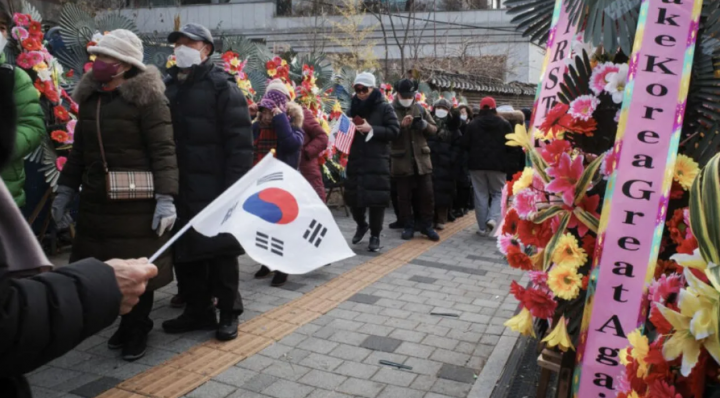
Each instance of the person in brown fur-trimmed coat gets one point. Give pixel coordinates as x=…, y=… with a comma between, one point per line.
x=125, y=100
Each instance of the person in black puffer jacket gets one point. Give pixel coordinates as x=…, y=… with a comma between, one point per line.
x=214, y=145
x=464, y=197
x=484, y=140
x=444, y=153
x=368, y=168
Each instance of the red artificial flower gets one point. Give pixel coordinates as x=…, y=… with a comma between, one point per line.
x=60, y=136
x=551, y=152
x=666, y=267
x=518, y=259
x=556, y=119
x=517, y=291
x=512, y=220
x=48, y=90
x=660, y=389
x=565, y=175
x=660, y=367
x=676, y=190
x=534, y=234
x=539, y=303
x=579, y=126
x=590, y=204
x=585, y=282
x=35, y=30
x=70, y=73
x=512, y=182
x=659, y=321
x=588, y=244
x=87, y=67
x=32, y=44
x=229, y=55
x=676, y=227
x=61, y=113
x=90, y=44
x=688, y=246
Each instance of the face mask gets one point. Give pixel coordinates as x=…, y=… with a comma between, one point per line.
x=406, y=102
x=463, y=117
x=441, y=113
x=187, y=57
x=104, y=72
x=3, y=43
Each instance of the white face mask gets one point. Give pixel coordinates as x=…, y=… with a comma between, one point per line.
x=441, y=113
x=3, y=43
x=463, y=117
x=406, y=103
x=187, y=57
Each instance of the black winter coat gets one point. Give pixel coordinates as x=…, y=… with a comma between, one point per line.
x=516, y=156
x=444, y=153
x=484, y=140
x=368, y=168
x=214, y=145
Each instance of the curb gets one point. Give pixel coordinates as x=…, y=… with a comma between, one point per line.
x=494, y=367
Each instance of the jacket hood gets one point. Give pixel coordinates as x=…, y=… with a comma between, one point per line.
x=296, y=114
x=489, y=121
x=144, y=89
x=514, y=117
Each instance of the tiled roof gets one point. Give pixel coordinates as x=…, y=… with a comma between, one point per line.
x=462, y=82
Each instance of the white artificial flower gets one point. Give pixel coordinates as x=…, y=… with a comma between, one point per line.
x=616, y=83
x=45, y=74
x=578, y=45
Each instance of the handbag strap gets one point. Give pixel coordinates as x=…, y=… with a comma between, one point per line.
x=99, y=134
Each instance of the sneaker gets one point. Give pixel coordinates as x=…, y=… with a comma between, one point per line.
x=228, y=327
x=439, y=226
x=395, y=225
x=360, y=234
x=482, y=232
x=188, y=322
x=263, y=273
x=118, y=339
x=279, y=279
x=431, y=234
x=374, y=245
x=136, y=345
x=491, y=226
x=177, y=301
x=408, y=233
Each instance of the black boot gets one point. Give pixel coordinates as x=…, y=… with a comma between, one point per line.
x=136, y=344
x=263, y=273
x=228, y=327
x=279, y=279
x=118, y=339
x=360, y=233
x=408, y=233
x=395, y=225
x=190, y=321
x=374, y=245
x=431, y=234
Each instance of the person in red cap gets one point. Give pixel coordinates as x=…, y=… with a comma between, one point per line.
x=484, y=139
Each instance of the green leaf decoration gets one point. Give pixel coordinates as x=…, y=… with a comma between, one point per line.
x=586, y=179
x=705, y=210
x=546, y=214
x=538, y=164
x=585, y=217
x=533, y=18
x=550, y=248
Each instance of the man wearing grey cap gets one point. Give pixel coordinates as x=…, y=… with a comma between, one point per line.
x=213, y=138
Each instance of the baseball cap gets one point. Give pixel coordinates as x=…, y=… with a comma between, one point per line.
x=488, y=102
x=406, y=87
x=195, y=32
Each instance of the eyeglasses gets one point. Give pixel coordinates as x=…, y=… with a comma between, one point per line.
x=361, y=90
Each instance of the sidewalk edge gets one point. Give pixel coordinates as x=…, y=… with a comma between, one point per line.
x=494, y=367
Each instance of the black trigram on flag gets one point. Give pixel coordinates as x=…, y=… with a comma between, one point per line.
x=278, y=176
x=315, y=233
x=264, y=241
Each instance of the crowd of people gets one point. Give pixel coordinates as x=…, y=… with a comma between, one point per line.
x=194, y=134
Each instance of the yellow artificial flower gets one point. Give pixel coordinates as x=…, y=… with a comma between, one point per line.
x=522, y=323
x=519, y=138
x=633, y=394
x=686, y=170
x=568, y=252
x=337, y=107
x=682, y=342
x=641, y=348
x=564, y=281
x=559, y=336
x=271, y=72
x=701, y=303
x=524, y=181
x=694, y=260
x=40, y=66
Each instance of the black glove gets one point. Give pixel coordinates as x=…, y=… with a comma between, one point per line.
x=419, y=124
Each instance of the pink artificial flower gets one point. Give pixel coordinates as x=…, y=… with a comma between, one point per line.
x=616, y=119
x=598, y=79
x=566, y=174
x=583, y=107
x=20, y=33
x=70, y=126
x=22, y=19
x=60, y=162
x=28, y=60
x=525, y=202
x=505, y=241
x=664, y=286
x=538, y=277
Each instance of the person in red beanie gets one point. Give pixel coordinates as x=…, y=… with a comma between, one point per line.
x=484, y=139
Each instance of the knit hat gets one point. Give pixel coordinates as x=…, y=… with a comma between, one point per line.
x=366, y=79
x=274, y=99
x=443, y=103
x=488, y=103
x=122, y=45
x=278, y=85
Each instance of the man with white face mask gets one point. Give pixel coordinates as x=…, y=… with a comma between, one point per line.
x=214, y=145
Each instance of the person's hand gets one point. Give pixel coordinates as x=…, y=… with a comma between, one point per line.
x=132, y=277
x=364, y=128
x=165, y=214
x=407, y=120
x=420, y=124
x=253, y=110
x=61, y=203
x=276, y=111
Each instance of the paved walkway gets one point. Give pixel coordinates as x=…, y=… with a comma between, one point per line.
x=435, y=309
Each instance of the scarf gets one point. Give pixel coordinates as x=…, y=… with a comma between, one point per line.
x=266, y=141
x=364, y=108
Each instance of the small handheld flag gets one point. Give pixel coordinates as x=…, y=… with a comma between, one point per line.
x=343, y=134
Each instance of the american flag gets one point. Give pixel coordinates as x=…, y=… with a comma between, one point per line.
x=344, y=132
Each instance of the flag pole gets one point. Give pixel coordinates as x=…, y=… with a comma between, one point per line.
x=170, y=243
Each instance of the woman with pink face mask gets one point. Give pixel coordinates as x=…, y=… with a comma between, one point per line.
x=123, y=125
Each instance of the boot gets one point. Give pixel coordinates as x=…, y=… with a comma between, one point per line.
x=431, y=234
x=408, y=233
x=177, y=301
x=118, y=339
x=360, y=233
x=395, y=225
x=190, y=321
x=264, y=272
x=374, y=245
x=279, y=279
x=136, y=345
x=228, y=327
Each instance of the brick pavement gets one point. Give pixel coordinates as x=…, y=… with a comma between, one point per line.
x=338, y=354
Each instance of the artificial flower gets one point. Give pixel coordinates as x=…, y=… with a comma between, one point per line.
x=26, y=61
x=665, y=267
x=665, y=286
x=590, y=204
x=59, y=136
x=48, y=90
x=60, y=162
x=524, y=181
x=538, y=277
x=564, y=281
x=556, y=121
x=510, y=225
x=517, y=259
x=588, y=244
x=526, y=202
x=701, y=304
x=539, y=303
x=19, y=33
x=687, y=246
x=519, y=138
x=579, y=45
x=559, y=336
x=565, y=175
x=568, y=252
x=608, y=163
x=551, y=152
x=505, y=241
x=32, y=44
x=686, y=170
x=533, y=234
x=616, y=83
x=521, y=323
x=579, y=126
x=583, y=107
x=658, y=320
x=599, y=77
x=61, y=113
x=22, y=19
x=661, y=389
x=35, y=29
x=640, y=349
x=693, y=260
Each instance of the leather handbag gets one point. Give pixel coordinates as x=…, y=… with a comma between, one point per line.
x=124, y=185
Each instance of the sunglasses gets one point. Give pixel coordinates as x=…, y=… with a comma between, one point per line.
x=361, y=90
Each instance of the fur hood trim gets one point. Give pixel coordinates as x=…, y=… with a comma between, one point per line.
x=514, y=117
x=296, y=114
x=144, y=89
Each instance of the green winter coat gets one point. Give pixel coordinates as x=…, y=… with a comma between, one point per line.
x=30, y=130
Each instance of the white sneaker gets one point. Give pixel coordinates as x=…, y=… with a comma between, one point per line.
x=482, y=233
x=491, y=225
x=440, y=226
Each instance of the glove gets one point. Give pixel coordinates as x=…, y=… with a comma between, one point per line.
x=420, y=125
x=61, y=203
x=165, y=214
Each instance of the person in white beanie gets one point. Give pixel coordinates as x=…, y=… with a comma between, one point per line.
x=123, y=124
x=367, y=185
